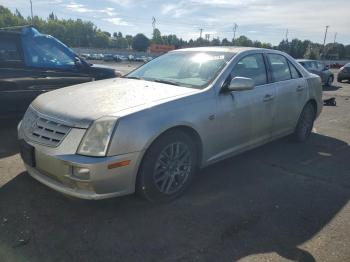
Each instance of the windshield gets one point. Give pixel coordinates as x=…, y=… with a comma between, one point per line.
x=47, y=52
x=187, y=68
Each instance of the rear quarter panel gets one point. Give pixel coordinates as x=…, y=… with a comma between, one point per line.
x=315, y=91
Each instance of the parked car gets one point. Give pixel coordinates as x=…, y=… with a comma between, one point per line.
x=150, y=130
x=32, y=63
x=123, y=58
x=320, y=69
x=108, y=57
x=131, y=57
x=344, y=73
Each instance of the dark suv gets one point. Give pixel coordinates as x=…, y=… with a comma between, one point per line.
x=32, y=63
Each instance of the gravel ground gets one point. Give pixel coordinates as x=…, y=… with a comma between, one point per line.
x=281, y=202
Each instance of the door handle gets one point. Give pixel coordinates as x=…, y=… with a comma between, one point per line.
x=268, y=97
x=300, y=88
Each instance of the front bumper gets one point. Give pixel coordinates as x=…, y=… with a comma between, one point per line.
x=56, y=167
x=58, y=173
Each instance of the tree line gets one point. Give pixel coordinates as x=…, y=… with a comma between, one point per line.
x=79, y=33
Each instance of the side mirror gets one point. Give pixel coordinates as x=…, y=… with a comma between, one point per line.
x=118, y=73
x=241, y=84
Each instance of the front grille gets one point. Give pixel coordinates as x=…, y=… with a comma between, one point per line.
x=42, y=130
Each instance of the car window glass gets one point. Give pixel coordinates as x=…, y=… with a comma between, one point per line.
x=9, y=52
x=279, y=67
x=320, y=66
x=295, y=73
x=44, y=52
x=251, y=66
x=313, y=65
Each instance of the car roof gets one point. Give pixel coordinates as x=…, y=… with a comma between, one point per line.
x=229, y=49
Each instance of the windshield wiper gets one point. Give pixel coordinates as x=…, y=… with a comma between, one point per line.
x=133, y=77
x=164, y=82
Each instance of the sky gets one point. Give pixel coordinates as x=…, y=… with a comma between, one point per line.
x=263, y=20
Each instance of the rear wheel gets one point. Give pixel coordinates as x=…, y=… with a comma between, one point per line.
x=168, y=167
x=330, y=81
x=305, y=123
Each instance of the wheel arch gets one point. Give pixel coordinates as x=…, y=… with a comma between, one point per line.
x=313, y=102
x=188, y=130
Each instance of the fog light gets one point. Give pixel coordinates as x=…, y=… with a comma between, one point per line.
x=81, y=172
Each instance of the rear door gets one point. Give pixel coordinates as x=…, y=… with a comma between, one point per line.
x=291, y=93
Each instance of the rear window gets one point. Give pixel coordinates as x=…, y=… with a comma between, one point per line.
x=279, y=67
x=295, y=73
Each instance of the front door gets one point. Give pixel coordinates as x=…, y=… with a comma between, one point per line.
x=246, y=116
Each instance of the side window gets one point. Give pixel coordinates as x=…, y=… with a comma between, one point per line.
x=295, y=73
x=44, y=52
x=320, y=66
x=251, y=66
x=313, y=65
x=279, y=67
x=9, y=52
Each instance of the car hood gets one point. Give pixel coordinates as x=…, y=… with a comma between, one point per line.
x=79, y=105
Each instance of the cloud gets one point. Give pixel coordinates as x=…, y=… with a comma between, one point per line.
x=123, y=3
x=80, y=8
x=117, y=21
x=177, y=10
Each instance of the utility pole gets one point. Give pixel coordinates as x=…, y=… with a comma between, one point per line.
x=335, y=37
x=31, y=9
x=200, y=34
x=207, y=37
x=325, y=35
x=154, y=23
x=287, y=32
x=324, y=41
x=235, y=26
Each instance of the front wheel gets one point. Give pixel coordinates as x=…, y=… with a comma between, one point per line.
x=167, y=168
x=305, y=123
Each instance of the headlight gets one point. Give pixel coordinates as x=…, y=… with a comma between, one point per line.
x=96, y=139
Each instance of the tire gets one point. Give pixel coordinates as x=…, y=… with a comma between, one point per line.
x=167, y=168
x=330, y=81
x=305, y=123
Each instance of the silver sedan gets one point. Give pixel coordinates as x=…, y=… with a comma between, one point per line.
x=151, y=130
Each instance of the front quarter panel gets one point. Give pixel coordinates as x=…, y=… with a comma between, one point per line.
x=137, y=131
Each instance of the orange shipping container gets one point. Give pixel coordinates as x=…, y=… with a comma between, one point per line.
x=155, y=48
